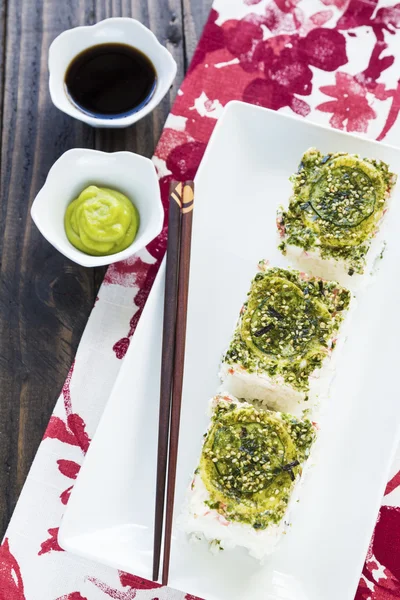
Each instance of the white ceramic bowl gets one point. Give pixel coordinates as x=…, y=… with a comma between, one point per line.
x=131, y=174
x=121, y=30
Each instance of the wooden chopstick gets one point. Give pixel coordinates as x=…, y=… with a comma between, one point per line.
x=167, y=363
x=179, y=359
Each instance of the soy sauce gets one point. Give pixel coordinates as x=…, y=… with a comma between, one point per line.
x=110, y=80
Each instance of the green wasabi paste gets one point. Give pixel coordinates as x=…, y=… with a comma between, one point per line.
x=101, y=221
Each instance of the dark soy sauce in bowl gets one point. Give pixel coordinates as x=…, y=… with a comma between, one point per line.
x=110, y=80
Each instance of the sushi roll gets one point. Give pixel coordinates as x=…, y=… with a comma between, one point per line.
x=334, y=214
x=250, y=463
x=286, y=330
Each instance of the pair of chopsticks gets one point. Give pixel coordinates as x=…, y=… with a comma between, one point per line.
x=181, y=200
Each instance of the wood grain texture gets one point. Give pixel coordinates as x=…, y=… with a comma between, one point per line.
x=45, y=299
x=195, y=16
x=2, y=43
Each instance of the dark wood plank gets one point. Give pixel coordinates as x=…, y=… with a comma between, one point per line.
x=44, y=299
x=195, y=15
x=2, y=72
x=2, y=40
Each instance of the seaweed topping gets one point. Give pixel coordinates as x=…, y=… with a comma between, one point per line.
x=250, y=460
x=286, y=325
x=346, y=197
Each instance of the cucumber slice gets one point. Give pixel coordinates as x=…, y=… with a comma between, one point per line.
x=285, y=323
x=343, y=196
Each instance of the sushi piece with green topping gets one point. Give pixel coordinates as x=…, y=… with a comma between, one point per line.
x=250, y=464
x=287, y=329
x=334, y=214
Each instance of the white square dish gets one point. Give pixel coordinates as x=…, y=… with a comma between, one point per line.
x=109, y=518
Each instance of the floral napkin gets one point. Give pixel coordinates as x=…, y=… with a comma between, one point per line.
x=335, y=62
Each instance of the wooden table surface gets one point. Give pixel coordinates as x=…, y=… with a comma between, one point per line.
x=45, y=299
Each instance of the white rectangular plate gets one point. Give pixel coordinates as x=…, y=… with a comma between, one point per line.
x=243, y=177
